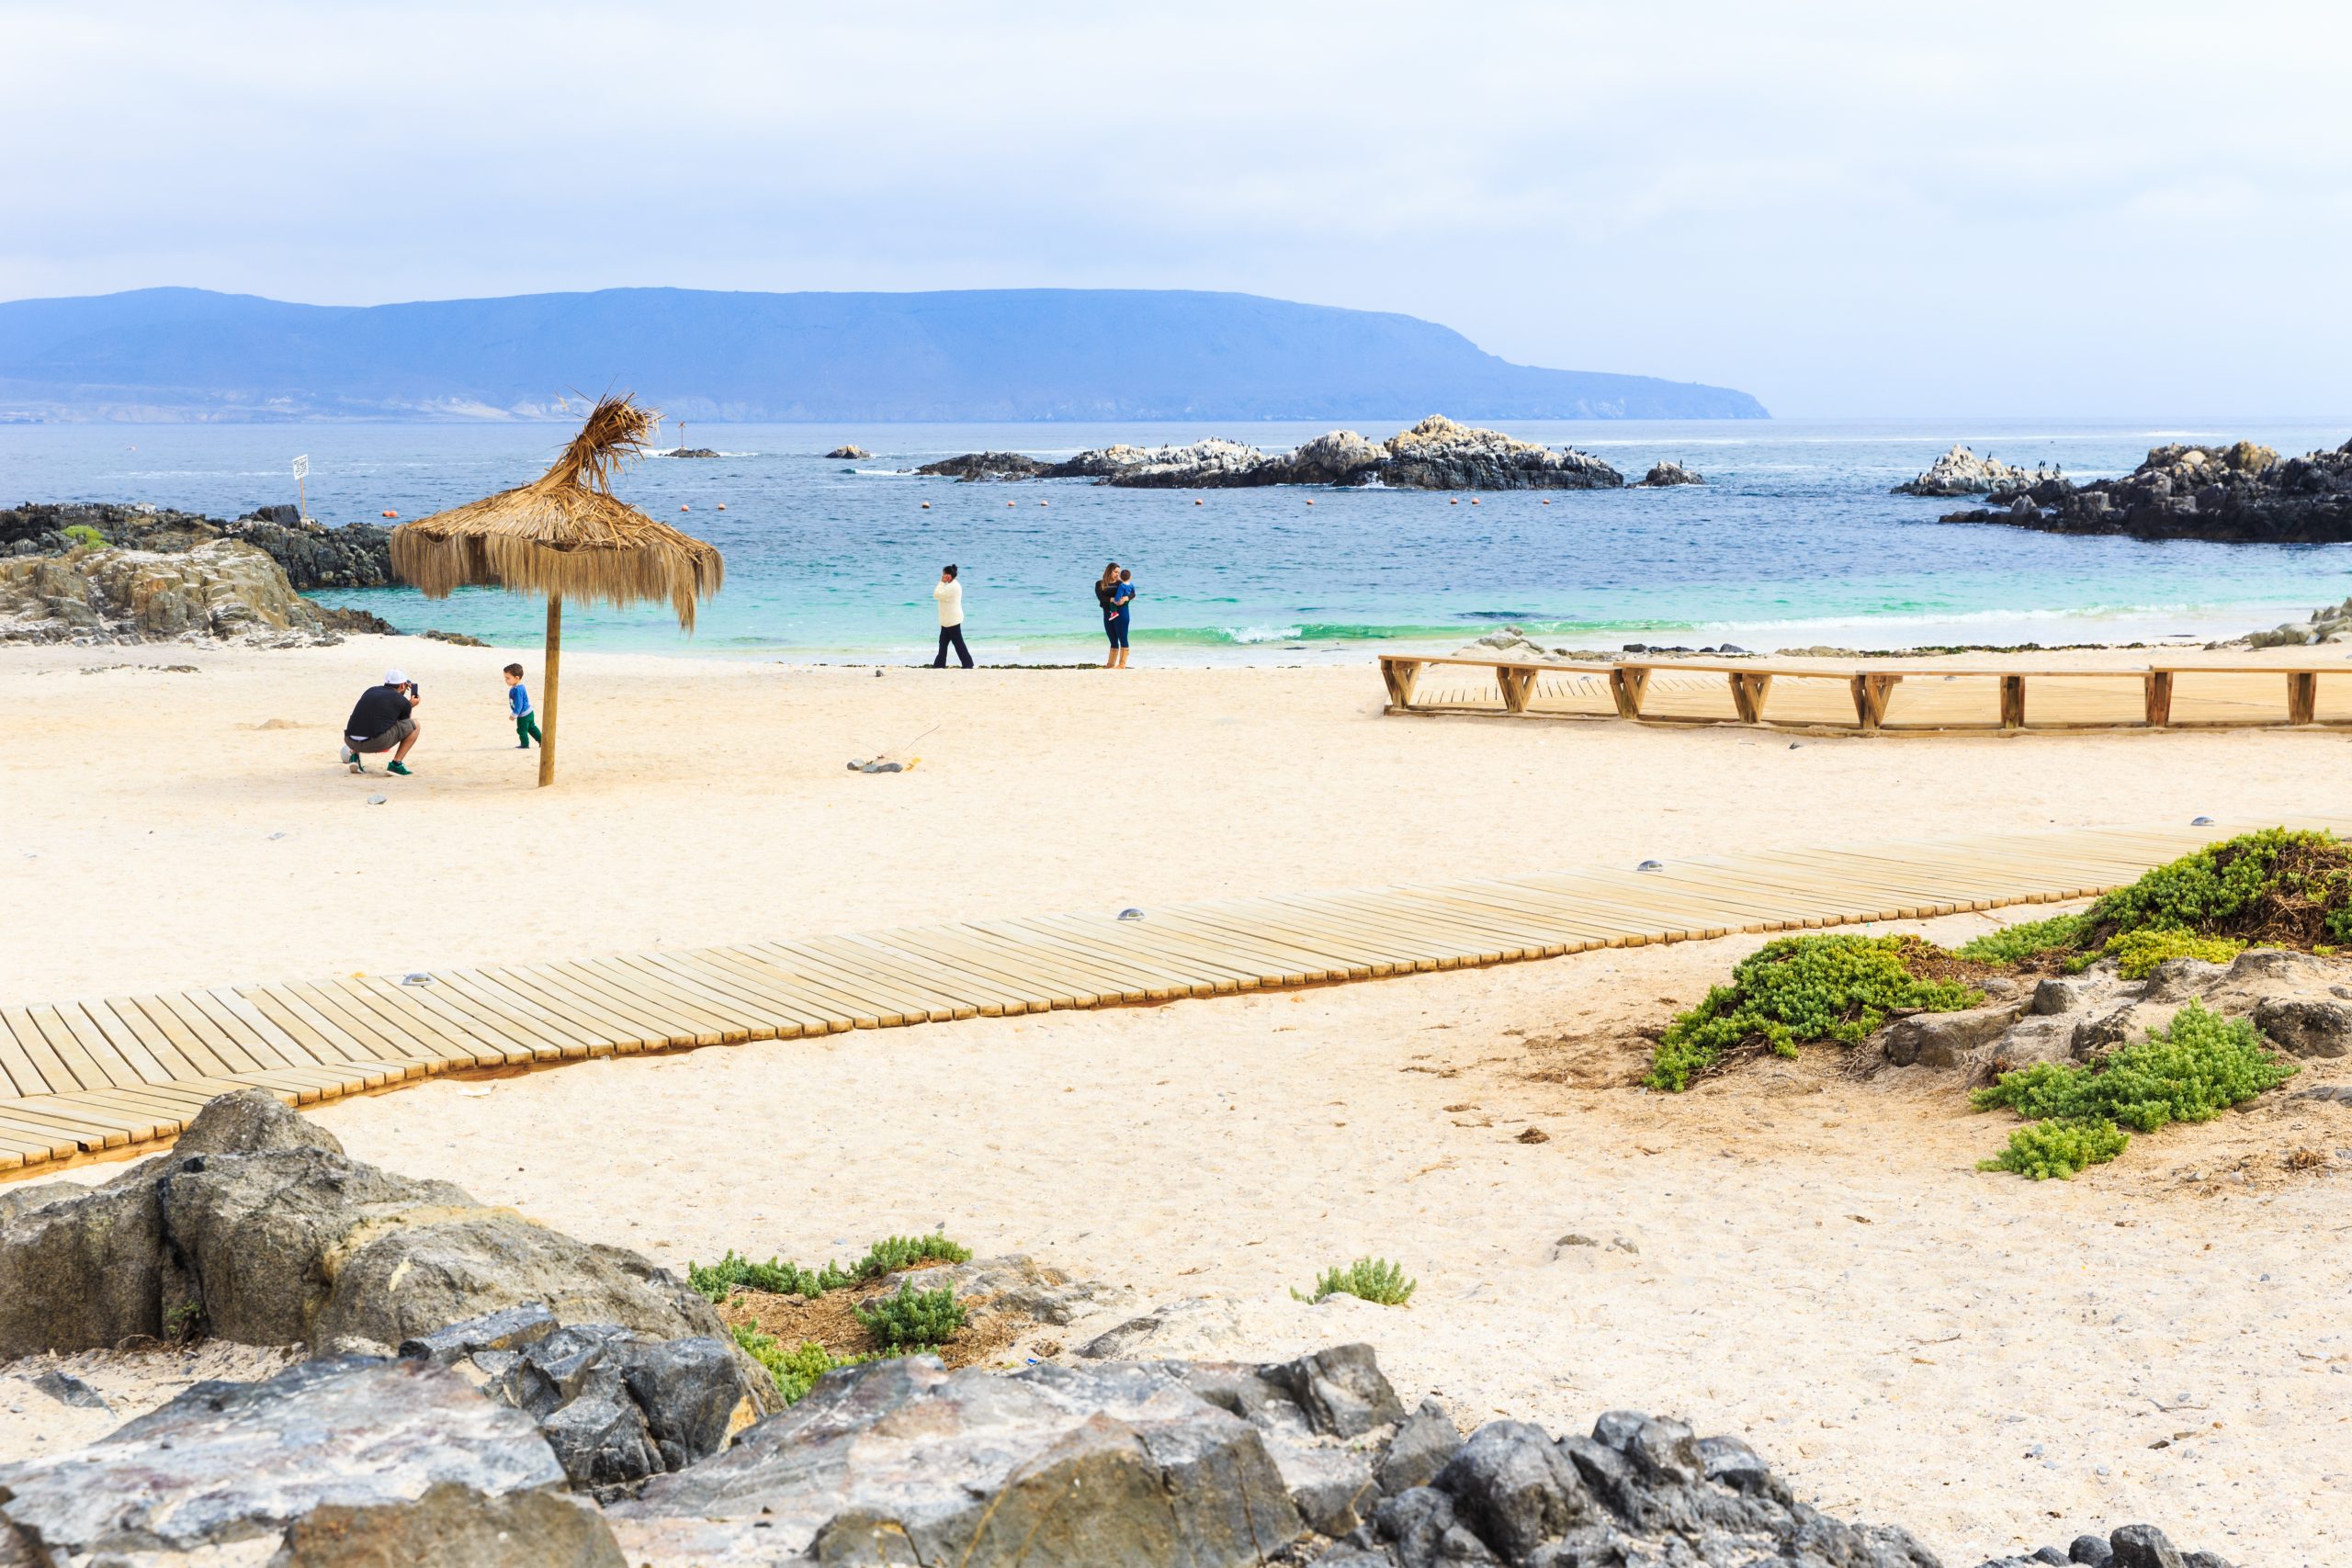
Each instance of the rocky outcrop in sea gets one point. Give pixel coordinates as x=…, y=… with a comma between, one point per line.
x=1661, y=474
x=1961, y=472
x=356, y=555
x=1436, y=453
x=2240, y=494
x=222, y=590
x=849, y=452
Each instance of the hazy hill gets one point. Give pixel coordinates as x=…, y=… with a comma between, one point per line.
x=1029, y=353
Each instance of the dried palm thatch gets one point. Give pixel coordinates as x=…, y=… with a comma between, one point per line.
x=565, y=535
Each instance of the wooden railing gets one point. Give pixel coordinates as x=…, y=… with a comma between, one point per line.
x=1867, y=701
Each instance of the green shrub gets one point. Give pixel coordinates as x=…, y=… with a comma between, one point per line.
x=1372, y=1278
x=893, y=1253
x=1801, y=989
x=796, y=1371
x=2045, y=1149
x=2205, y=890
x=2137, y=954
x=732, y=1273
x=2191, y=1072
x=83, y=537
x=914, y=1319
x=2015, y=944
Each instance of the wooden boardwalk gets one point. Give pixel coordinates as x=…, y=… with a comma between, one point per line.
x=84, y=1078
x=1877, y=698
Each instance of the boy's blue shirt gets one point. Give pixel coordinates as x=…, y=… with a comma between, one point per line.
x=518, y=699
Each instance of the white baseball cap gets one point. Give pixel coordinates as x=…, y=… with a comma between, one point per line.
x=394, y=678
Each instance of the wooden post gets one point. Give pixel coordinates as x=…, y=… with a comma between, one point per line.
x=2302, y=695
x=1747, y=695
x=1626, y=684
x=1515, y=685
x=1402, y=676
x=2159, y=699
x=2012, y=702
x=554, y=662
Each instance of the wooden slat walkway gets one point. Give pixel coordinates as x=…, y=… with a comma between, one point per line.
x=85, y=1077
x=1877, y=698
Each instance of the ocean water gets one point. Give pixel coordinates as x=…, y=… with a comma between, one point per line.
x=1794, y=540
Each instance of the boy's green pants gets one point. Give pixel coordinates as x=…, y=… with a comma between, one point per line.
x=527, y=730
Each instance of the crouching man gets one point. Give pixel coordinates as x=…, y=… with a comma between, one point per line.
x=382, y=720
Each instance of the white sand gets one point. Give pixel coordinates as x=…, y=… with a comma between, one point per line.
x=1904, y=1367
x=707, y=801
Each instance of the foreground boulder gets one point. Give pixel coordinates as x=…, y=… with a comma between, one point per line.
x=257, y=1228
x=616, y=1406
x=333, y=1462
x=903, y=1461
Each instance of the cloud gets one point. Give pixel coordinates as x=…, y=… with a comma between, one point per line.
x=1848, y=209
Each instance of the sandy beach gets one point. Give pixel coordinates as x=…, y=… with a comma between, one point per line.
x=1791, y=1253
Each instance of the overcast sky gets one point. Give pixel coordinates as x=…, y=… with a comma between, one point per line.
x=1847, y=210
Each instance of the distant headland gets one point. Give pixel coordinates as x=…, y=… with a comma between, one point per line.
x=1013, y=355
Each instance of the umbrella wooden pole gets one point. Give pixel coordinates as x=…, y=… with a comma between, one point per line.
x=555, y=662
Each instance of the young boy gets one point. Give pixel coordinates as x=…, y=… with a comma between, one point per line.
x=518, y=703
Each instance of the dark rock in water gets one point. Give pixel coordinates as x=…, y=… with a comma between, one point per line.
x=687, y=452
x=849, y=453
x=1436, y=453
x=2241, y=492
x=1661, y=474
x=988, y=466
x=456, y=640
x=348, y=622
x=343, y=1460
x=1961, y=472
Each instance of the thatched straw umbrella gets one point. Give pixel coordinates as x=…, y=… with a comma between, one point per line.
x=564, y=534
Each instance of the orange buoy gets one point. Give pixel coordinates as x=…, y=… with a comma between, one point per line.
x=1453, y=503
x=683, y=507
x=1196, y=500
x=722, y=506
x=1474, y=500
x=926, y=506
x=1310, y=500
x=1008, y=503
x=391, y=513
x=1547, y=501
x=1041, y=503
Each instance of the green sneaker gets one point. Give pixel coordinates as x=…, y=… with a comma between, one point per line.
x=400, y=768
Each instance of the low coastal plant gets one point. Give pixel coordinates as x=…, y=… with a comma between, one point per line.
x=1799, y=990
x=2028, y=939
x=2193, y=1071
x=1372, y=1278
x=2044, y=1149
x=732, y=1273
x=2137, y=954
x=912, y=1319
x=83, y=537
x=796, y=1371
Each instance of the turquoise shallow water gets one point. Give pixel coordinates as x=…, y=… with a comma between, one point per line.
x=1794, y=540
